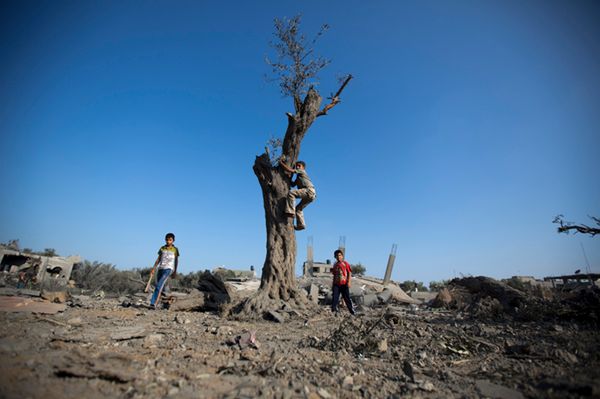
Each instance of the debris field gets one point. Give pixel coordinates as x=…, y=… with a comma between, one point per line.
x=115, y=347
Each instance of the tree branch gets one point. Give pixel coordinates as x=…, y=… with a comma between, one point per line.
x=336, y=98
x=580, y=228
x=583, y=229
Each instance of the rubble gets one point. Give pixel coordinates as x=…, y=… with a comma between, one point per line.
x=364, y=291
x=479, y=343
x=484, y=297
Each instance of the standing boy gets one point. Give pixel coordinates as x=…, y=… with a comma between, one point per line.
x=341, y=282
x=168, y=257
x=306, y=192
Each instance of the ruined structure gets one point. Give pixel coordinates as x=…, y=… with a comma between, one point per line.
x=317, y=269
x=27, y=270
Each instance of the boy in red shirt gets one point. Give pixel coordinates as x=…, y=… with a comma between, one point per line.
x=341, y=282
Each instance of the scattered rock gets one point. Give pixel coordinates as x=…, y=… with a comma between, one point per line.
x=245, y=340
x=181, y=319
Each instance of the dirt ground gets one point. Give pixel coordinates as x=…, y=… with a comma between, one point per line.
x=100, y=349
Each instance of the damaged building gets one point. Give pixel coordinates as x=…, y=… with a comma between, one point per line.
x=28, y=270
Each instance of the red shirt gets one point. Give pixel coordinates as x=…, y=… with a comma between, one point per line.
x=341, y=273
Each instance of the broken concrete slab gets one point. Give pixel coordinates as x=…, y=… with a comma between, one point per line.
x=370, y=300
x=31, y=305
x=125, y=333
x=385, y=295
x=489, y=389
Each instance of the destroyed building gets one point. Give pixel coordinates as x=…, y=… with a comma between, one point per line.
x=316, y=269
x=28, y=270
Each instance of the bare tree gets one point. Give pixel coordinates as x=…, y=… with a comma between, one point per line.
x=565, y=227
x=296, y=68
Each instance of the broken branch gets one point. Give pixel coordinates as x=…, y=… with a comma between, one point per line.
x=580, y=228
x=336, y=98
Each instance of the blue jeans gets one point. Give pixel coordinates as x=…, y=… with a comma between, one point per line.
x=161, y=278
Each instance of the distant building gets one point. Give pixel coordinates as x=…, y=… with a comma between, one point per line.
x=317, y=269
x=574, y=279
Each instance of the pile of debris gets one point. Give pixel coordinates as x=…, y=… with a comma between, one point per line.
x=365, y=292
x=487, y=298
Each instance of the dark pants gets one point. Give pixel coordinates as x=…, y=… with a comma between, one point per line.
x=345, y=291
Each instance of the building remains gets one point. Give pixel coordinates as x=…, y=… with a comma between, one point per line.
x=27, y=270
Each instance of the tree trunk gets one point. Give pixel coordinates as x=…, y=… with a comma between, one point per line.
x=278, y=282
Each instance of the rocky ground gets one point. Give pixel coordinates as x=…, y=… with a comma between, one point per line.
x=100, y=348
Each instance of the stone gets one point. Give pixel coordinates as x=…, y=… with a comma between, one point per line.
x=370, y=300
x=180, y=319
x=55, y=296
x=427, y=386
x=75, y=321
x=443, y=299
x=152, y=340
x=275, y=316
x=382, y=346
x=348, y=382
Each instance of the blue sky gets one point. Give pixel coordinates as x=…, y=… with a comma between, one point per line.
x=468, y=127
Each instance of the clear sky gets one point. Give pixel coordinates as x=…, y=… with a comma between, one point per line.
x=468, y=127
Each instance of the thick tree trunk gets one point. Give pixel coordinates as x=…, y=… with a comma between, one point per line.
x=278, y=282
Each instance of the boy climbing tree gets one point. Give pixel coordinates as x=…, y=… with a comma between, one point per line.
x=306, y=192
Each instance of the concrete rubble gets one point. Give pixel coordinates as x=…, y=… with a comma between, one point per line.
x=482, y=341
x=365, y=292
